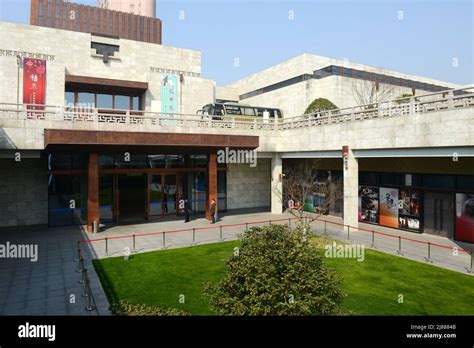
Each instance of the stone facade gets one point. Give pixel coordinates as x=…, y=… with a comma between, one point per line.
x=70, y=53
x=23, y=192
x=294, y=99
x=249, y=187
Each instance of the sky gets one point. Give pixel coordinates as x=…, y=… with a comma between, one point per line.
x=427, y=38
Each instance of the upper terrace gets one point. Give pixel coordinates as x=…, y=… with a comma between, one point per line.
x=443, y=119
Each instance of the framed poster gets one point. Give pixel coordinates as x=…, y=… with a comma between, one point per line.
x=409, y=209
x=369, y=204
x=465, y=217
x=388, y=215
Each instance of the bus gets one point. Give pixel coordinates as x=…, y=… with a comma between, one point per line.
x=218, y=110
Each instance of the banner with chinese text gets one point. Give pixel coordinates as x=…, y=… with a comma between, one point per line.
x=34, y=83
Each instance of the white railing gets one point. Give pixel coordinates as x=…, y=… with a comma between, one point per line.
x=452, y=99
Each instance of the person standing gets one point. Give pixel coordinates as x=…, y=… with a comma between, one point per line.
x=186, y=210
x=213, y=211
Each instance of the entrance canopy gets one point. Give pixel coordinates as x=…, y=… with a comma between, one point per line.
x=99, y=141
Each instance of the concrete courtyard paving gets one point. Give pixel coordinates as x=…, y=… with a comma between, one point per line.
x=44, y=287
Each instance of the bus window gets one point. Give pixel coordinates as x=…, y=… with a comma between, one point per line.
x=260, y=111
x=278, y=112
x=248, y=111
x=233, y=110
x=218, y=110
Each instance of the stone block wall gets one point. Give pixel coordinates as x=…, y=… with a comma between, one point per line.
x=23, y=192
x=249, y=187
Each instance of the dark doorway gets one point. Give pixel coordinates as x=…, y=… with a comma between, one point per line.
x=132, y=198
x=439, y=214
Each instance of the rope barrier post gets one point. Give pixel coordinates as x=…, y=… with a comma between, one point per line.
x=269, y=222
x=194, y=236
x=399, y=245
x=348, y=232
x=472, y=260
x=106, y=245
x=81, y=281
x=220, y=233
x=305, y=220
x=86, y=281
x=80, y=267
x=133, y=243
x=373, y=240
x=325, y=227
x=429, y=253
x=246, y=226
x=289, y=223
x=164, y=239
x=78, y=251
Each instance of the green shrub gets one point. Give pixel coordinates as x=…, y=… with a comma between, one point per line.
x=123, y=308
x=320, y=103
x=277, y=272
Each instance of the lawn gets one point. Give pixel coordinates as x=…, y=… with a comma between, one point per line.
x=159, y=278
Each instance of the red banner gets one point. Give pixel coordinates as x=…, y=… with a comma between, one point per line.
x=34, y=84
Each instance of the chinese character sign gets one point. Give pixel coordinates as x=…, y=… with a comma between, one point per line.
x=169, y=94
x=34, y=83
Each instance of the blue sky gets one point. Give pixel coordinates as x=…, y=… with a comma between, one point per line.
x=260, y=33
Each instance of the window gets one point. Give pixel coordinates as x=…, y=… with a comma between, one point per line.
x=123, y=23
x=148, y=27
x=48, y=9
x=394, y=179
x=335, y=70
x=366, y=75
x=248, y=111
x=122, y=102
x=104, y=101
x=378, y=77
x=111, y=21
x=347, y=72
x=136, y=103
x=92, y=18
x=406, y=83
x=233, y=110
x=465, y=182
x=56, y=15
x=358, y=74
x=438, y=181
x=86, y=99
x=69, y=98
x=396, y=81
x=141, y=28
x=104, y=22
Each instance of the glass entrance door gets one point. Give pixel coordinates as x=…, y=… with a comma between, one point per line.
x=163, y=194
x=439, y=214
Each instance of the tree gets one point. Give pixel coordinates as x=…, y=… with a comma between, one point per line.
x=320, y=103
x=277, y=271
x=371, y=93
x=405, y=98
x=305, y=182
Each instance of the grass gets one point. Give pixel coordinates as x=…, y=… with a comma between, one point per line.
x=373, y=286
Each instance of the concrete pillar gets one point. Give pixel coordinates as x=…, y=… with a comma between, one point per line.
x=351, y=187
x=211, y=184
x=93, y=192
x=277, y=186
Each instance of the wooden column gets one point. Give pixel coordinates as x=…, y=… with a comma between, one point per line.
x=211, y=184
x=93, y=192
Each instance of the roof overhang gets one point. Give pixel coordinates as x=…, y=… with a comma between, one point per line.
x=144, y=142
x=98, y=84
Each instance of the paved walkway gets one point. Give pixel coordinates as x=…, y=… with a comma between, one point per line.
x=44, y=287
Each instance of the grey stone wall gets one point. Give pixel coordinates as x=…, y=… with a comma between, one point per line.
x=249, y=187
x=23, y=192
